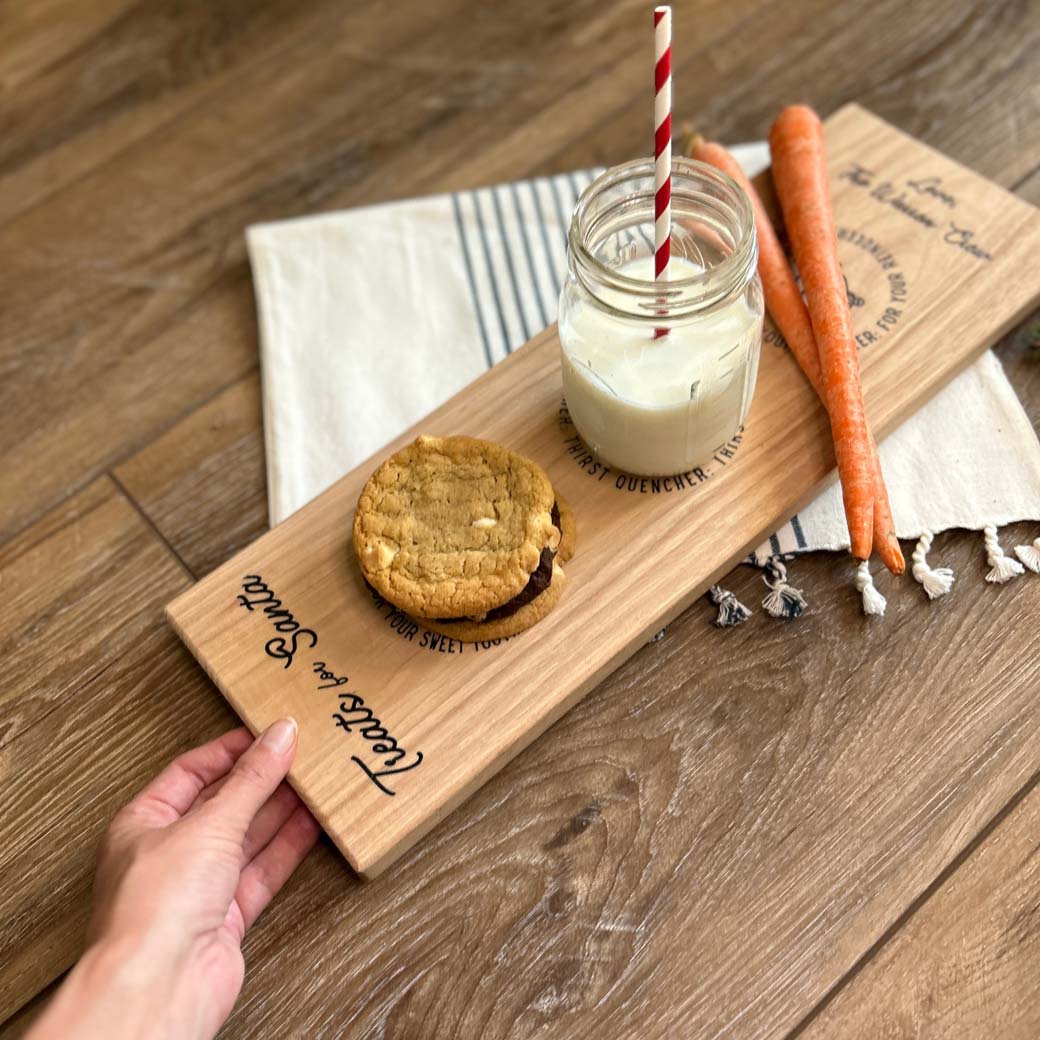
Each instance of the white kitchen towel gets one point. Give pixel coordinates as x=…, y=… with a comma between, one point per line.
x=372, y=317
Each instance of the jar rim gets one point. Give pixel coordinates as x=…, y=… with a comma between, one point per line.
x=701, y=291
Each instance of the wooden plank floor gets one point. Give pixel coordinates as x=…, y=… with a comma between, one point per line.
x=825, y=828
x=966, y=958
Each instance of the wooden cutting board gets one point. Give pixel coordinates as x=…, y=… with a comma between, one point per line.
x=398, y=726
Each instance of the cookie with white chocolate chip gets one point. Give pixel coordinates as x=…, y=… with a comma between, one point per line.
x=462, y=534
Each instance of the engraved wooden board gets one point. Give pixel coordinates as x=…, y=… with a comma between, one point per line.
x=939, y=263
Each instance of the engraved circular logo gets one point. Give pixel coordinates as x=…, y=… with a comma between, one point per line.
x=875, y=285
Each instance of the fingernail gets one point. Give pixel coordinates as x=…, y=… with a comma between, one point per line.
x=280, y=736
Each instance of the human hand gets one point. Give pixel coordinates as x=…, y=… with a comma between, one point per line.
x=183, y=872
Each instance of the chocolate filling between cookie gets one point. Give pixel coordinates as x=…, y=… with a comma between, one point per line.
x=540, y=580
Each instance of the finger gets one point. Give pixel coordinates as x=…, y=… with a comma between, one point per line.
x=269, y=820
x=207, y=793
x=263, y=878
x=210, y=792
x=254, y=778
x=181, y=782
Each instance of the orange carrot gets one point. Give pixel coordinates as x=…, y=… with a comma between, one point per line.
x=800, y=176
x=886, y=544
x=783, y=298
x=787, y=309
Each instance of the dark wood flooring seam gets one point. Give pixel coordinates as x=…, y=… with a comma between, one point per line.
x=916, y=904
x=150, y=523
x=1025, y=177
x=108, y=468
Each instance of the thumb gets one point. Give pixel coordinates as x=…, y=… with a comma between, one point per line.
x=256, y=776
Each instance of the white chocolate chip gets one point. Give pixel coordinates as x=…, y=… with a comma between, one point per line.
x=484, y=521
x=381, y=554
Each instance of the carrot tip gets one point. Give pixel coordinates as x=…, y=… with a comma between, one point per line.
x=894, y=561
x=861, y=545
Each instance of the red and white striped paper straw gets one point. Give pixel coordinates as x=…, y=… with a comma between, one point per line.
x=662, y=140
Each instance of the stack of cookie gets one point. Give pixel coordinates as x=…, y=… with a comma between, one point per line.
x=465, y=536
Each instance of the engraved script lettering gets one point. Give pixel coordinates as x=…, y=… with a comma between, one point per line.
x=931, y=191
x=383, y=753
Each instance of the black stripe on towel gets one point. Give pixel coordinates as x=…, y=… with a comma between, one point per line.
x=510, y=267
x=467, y=261
x=543, y=225
x=564, y=223
x=576, y=186
x=506, y=345
x=796, y=526
x=536, y=287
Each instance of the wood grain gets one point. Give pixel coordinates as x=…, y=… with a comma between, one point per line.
x=157, y=286
x=1029, y=187
x=15, y=1027
x=611, y=862
x=960, y=80
x=719, y=893
x=76, y=769
x=635, y=548
x=114, y=577
x=967, y=961
x=88, y=81
x=219, y=446
x=82, y=728
x=587, y=871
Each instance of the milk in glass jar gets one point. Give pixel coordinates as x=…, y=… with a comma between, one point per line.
x=659, y=374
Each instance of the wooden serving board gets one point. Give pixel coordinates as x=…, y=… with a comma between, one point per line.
x=939, y=264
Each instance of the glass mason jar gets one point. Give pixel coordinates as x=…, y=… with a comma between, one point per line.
x=659, y=375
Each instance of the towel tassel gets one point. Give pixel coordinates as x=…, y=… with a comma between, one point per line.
x=1003, y=567
x=873, y=602
x=1030, y=555
x=783, y=600
x=731, y=611
x=935, y=581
